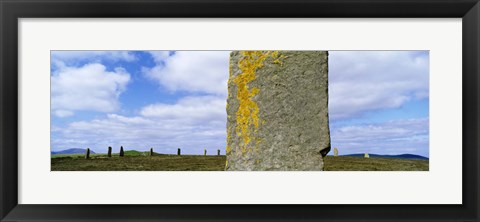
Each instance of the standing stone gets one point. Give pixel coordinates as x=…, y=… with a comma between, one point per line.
x=87, y=155
x=205, y=152
x=335, y=151
x=277, y=110
x=151, y=151
x=178, y=151
x=366, y=155
x=121, y=151
x=218, y=152
x=109, y=151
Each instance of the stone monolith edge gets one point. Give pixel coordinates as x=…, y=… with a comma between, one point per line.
x=335, y=151
x=277, y=110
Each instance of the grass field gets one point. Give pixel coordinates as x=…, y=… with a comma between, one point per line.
x=137, y=162
x=141, y=161
x=347, y=163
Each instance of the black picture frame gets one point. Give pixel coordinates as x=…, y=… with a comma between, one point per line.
x=12, y=10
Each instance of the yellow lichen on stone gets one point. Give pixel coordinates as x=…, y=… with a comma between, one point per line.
x=244, y=150
x=228, y=149
x=247, y=113
x=277, y=61
x=278, y=57
x=274, y=54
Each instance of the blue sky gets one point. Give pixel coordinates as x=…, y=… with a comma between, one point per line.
x=378, y=101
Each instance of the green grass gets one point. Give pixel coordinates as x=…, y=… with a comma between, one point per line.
x=136, y=153
x=70, y=155
x=347, y=163
x=138, y=161
x=141, y=161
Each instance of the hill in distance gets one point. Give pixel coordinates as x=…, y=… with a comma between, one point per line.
x=138, y=153
x=72, y=151
x=401, y=156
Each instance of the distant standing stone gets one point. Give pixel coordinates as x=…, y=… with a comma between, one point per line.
x=277, y=110
x=366, y=155
x=121, y=151
x=205, y=152
x=109, y=154
x=178, y=151
x=335, y=151
x=87, y=155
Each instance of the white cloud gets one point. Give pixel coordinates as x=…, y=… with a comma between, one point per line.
x=193, y=123
x=392, y=137
x=90, y=87
x=361, y=81
x=159, y=56
x=92, y=56
x=191, y=71
x=191, y=108
x=63, y=113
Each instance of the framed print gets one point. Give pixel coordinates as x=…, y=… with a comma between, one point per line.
x=224, y=110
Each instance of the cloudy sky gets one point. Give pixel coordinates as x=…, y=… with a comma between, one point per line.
x=140, y=99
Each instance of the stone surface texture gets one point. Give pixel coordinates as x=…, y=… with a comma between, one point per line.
x=277, y=110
